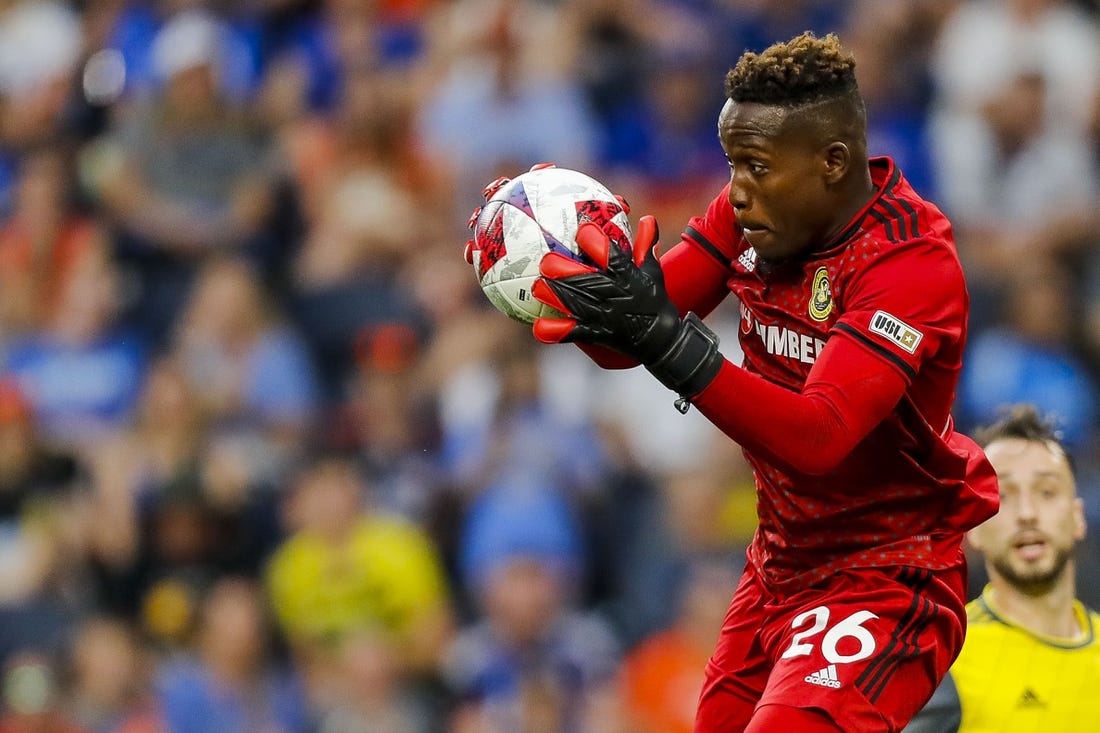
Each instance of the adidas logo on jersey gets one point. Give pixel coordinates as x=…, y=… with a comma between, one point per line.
x=1030, y=700
x=748, y=259
x=825, y=677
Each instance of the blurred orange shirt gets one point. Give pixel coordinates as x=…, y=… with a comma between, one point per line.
x=662, y=678
x=48, y=270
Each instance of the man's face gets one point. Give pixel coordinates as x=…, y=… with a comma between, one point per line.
x=778, y=175
x=1030, y=541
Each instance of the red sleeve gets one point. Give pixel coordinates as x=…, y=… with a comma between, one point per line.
x=694, y=280
x=697, y=269
x=848, y=392
x=908, y=307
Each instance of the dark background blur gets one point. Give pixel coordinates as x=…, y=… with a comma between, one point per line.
x=269, y=461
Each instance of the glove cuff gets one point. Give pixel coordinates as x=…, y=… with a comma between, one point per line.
x=691, y=362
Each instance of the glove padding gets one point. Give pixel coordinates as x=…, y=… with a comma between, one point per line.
x=622, y=303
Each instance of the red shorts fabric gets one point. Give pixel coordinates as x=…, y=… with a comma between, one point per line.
x=866, y=646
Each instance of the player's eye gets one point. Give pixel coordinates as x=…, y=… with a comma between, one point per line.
x=757, y=168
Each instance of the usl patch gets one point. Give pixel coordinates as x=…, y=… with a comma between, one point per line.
x=896, y=330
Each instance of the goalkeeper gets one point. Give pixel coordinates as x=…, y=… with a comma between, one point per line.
x=853, y=323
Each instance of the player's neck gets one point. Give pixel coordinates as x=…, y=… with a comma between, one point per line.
x=1049, y=614
x=858, y=192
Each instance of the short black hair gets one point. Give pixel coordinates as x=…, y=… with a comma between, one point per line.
x=803, y=70
x=1024, y=422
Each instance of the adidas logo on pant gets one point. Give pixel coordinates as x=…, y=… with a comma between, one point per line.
x=825, y=677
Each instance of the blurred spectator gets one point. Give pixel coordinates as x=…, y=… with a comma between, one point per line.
x=499, y=427
x=250, y=370
x=44, y=520
x=532, y=660
x=110, y=690
x=1029, y=358
x=680, y=149
x=232, y=682
x=343, y=37
x=158, y=450
x=175, y=502
x=693, y=514
x=370, y=203
x=1008, y=174
x=392, y=422
x=182, y=555
x=41, y=242
x=663, y=675
x=38, y=485
x=613, y=37
x=504, y=95
x=1013, y=83
x=81, y=370
x=893, y=41
x=182, y=174
x=1084, y=243
x=33, y=696
x=40, y=46
x=363, y=185
x=346, y=568
x=129, y=31
x=373, y=691
x=524, y=517
x=753, y=25
x=502, y=436
x=985, y=44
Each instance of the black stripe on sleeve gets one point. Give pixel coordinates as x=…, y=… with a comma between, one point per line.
x=897, y=216
x=887, y=224
x=707, y=247
x=878, y=349
x=911, y=215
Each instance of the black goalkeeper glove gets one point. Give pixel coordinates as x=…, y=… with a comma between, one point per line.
x=622, y=304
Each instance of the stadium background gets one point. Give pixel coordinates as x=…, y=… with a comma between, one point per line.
x=268, y=460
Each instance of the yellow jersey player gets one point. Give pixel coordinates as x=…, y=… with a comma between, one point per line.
x=1030, y=661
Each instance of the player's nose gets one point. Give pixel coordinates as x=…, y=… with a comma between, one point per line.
x=1025, y=508
x=738, y=196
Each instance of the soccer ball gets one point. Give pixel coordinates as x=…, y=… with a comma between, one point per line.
x=528, y=216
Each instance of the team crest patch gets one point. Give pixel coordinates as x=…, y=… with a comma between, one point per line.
x=821, y=296
x=896, y=330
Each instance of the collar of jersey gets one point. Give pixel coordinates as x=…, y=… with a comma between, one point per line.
x=890, y=175
x=1084, y=618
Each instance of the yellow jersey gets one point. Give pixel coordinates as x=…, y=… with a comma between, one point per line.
x=1009, y=679
x=387, y=574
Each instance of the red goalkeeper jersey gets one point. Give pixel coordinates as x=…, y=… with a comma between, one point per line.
x=891, y=285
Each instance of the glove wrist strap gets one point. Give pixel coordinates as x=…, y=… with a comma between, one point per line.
x=691, y=362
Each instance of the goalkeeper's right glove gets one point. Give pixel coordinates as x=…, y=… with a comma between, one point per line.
x=622, y=303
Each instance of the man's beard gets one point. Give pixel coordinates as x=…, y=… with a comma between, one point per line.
x=1033, y=582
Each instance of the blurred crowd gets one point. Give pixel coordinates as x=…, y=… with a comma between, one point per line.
x=269, y=460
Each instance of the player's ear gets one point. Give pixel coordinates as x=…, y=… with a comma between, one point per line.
x=836, y=160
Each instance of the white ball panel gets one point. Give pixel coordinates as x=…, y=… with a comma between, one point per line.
x=554, y=196
x=514, y=299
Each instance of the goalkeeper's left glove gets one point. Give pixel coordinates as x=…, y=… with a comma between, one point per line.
x=622, y=303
